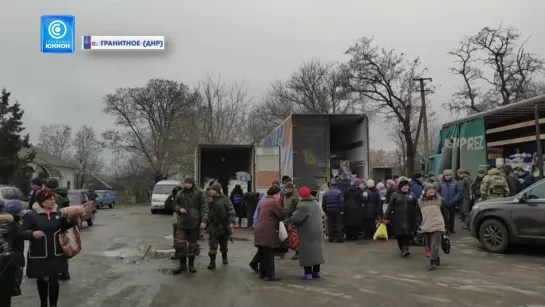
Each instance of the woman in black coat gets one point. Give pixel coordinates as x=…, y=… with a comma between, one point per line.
x=236, y=198
x=404, y=213
x=354, y=210
x=42, y=227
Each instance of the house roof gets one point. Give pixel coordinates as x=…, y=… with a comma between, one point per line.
x=43, y=157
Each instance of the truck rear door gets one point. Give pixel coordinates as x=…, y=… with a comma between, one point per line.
x=266, y=167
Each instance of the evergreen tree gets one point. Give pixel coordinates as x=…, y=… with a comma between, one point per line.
x=13, y=165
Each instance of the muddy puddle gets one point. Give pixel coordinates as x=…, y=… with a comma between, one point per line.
x=132, y=255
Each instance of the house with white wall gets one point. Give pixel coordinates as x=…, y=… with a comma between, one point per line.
x=47, y=166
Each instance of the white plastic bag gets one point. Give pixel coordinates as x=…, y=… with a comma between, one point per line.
x=282, y=232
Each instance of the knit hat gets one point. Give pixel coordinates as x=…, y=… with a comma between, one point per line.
x=403, y=183
x=37, y=181
x=357, y=181
x=52, y=183
x=428, y=186
x=289, y=185
x=216, y=187
x=304, y=192
x=380, y=186
x=402, y=178
x=189, y=180
x=13, y=207
x=447, y=172
x=370, y=183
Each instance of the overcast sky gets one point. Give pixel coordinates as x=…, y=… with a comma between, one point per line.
x=255, y=40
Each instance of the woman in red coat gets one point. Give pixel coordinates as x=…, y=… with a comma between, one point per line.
x=266, y=238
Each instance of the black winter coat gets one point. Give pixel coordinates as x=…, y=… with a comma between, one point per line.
x=45, y=256
x=389, y=194
x=404, y=213
x=372, y=203
x=354, y=210
x=12, y=247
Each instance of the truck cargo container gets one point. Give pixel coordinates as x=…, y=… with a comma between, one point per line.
x=312, y=145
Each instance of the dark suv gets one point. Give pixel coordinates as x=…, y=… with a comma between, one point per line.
x=520, y=219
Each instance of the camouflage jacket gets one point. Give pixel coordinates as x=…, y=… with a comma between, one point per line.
x=193, y=201
x=61, y=197
x=221, y=215
x=494, y=185
x=290, y=204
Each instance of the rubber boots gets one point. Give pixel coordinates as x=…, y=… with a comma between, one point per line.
x=224, y=258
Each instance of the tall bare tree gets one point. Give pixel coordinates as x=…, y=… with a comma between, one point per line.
x=385, y=79
x=496, y=70
x=222, y=110
x=316, y=87
x=152, y=123
x=56, y=139
x=87, y=150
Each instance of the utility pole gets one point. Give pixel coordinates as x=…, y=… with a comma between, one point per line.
x=424, y=115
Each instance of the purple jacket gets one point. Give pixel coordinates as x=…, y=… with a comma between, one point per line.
x=333, y=200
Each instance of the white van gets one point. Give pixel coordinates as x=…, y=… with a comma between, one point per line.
x=160, y=194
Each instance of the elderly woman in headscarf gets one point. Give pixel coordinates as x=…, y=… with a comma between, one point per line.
x=308, y=219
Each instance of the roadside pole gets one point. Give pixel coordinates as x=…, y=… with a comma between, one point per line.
x=424, y=114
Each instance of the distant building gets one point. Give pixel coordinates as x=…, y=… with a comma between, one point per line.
x=47, y=166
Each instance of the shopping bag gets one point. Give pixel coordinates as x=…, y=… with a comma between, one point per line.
x=70, y=242
x=445, y=243
x=293, y=238
x=282, y=232
x=381, y=233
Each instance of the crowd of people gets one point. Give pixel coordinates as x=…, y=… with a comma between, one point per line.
x=46, y=219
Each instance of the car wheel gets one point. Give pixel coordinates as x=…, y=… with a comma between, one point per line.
x=91, y=220
x=153, y=211
x=494, y=236
x=112, y=205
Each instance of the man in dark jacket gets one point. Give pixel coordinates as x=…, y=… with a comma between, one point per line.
x=464, y=187
x=250, y=203
x=524, y=180
x=511, y=179
x=415, y=186
x=373, y=208
x=353, y=198
x=450, y=195
x=333, y=206
x=476, y=186
x=190, y=203
x=36, y=184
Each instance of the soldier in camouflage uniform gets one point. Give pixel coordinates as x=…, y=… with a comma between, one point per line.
x=190, y=202
x=220, y=223
x=62, y=201
x=169, y=202
x=494, y=185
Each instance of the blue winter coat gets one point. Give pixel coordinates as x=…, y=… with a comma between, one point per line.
x=333, y=200
x=416, y=188
x=448, y=190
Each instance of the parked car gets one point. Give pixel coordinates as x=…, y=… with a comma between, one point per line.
x=81, y=197
x=105, y=198
x=498, y=223
x=8, y=193
x=160, y=194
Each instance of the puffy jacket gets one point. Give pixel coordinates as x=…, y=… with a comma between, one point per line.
x=333, y=200
x=416, y=188
x=448, y=190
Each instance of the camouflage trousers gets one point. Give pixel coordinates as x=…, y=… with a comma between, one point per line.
x=185, y=242
x=215, y=241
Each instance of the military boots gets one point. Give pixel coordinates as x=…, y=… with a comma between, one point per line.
x=212, y=264
x=182, y=267
x=224, y=258
x=192, y=264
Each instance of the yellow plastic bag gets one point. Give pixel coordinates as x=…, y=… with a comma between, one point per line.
x=381, y=233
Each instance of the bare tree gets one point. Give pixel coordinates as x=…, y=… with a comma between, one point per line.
x=496, y=70
x=154, y=122
x=385, y=79
x=56, y=139
x=87, y=150
x=316, y=87
x=222, y=110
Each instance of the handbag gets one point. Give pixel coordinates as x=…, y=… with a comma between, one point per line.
x=70, y=242
x=445, y=243
x=282, y=232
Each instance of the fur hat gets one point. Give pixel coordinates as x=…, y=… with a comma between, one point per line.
x=447, y=172
x=370, y=183
x=428, y=186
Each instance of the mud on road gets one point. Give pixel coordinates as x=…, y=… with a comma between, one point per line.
x=118, y=268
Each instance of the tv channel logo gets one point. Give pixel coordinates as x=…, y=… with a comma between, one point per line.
x=58, y=34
